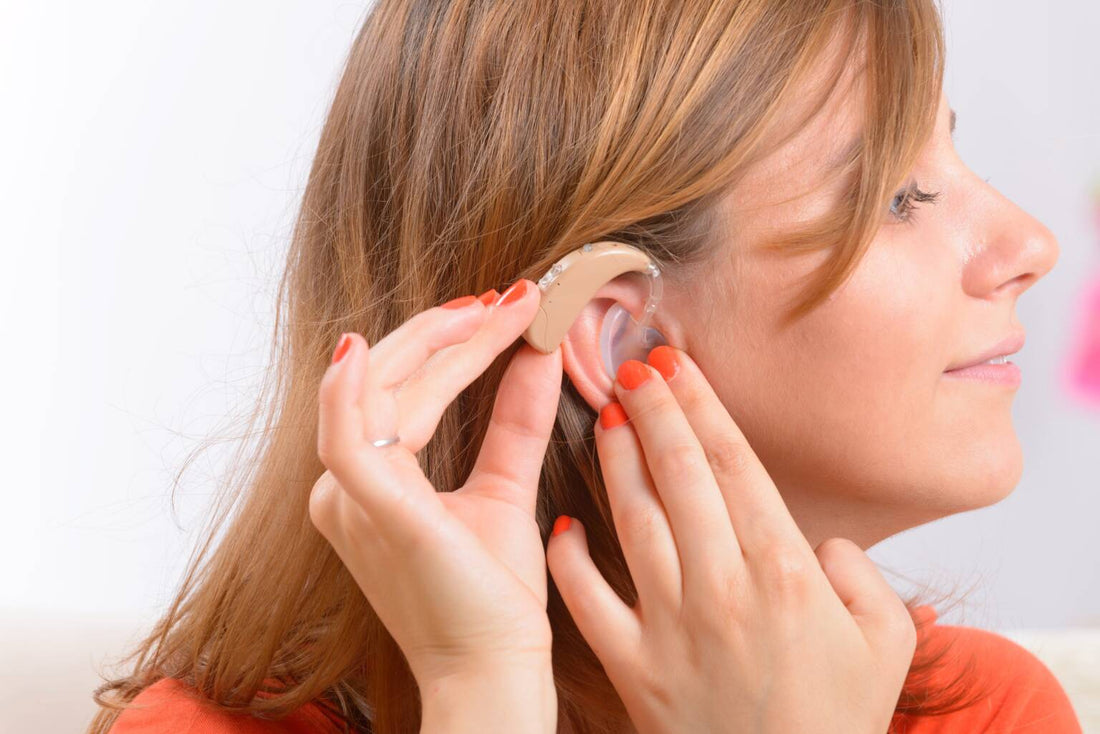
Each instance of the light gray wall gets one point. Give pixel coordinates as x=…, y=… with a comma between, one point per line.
x=153, y=155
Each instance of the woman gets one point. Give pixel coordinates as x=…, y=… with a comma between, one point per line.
x=771, y=156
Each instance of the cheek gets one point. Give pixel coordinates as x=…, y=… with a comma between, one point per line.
x=850, y=401
x=864, y=385
x=854, y=378
x=855, y=385
x=872, y=353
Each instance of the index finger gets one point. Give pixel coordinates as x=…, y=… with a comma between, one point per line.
x=759, y=516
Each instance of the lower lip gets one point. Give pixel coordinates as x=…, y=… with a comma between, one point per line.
x=998, y=374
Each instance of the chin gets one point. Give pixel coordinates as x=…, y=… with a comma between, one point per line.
x=994, y=473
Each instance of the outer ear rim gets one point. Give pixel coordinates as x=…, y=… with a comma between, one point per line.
x=586, y=372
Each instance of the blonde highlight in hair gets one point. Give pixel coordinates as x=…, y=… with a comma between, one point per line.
x=470, y=143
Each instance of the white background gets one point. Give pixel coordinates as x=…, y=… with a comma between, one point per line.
x=153, y=155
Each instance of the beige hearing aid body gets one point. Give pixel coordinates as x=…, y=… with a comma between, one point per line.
x=570, y=284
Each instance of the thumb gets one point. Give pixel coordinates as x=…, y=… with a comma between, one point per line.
x=873, y=604
x=524, y=411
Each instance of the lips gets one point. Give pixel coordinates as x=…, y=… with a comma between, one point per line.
x=1009, y=345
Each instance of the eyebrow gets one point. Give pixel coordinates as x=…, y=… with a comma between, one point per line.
x=849, y=150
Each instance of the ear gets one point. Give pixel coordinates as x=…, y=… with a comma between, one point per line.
x=580, y=348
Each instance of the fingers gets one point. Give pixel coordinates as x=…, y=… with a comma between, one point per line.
x=611, y=628
x=875, y=606
x=405, y=349
x=753, y=504
x=386, y=486
x=641, y=523
x=526, y=406
x=682, y=476
x=422, y=400
x=436, y=354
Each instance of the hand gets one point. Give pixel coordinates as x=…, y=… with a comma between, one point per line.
x=458, y=578
x=739, y=624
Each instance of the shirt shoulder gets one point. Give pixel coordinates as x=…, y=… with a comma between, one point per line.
x=171, y=706
x=1023, y=694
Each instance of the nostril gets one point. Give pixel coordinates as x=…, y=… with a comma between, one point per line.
x=1019, y=284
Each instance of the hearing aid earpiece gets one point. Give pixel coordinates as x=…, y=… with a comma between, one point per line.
x=570, y=284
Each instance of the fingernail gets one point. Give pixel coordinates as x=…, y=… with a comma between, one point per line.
x=632, y=373
x=663, y=359
x=561, y=524
x=489, y=296
x=515, y=292
x=612, y=415
x=342, y=348
x=460, y=302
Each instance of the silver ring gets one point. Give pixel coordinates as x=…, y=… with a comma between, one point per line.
x=386, y=441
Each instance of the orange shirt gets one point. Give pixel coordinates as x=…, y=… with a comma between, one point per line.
x=1029, y=700
x=169, y=706
x=1025, y=695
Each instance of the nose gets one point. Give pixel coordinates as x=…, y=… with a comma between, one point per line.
x=1019, y=251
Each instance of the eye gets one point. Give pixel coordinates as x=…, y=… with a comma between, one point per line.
x=905, y=202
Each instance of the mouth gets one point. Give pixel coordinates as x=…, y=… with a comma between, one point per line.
x=992, y=365
x=1005, y=373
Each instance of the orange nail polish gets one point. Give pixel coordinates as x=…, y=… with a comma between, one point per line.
x=515, y=292
x=612, y=415
x=460, y=302
x=632, y=373
x=489, y=296
x=342, y=348
x=561, y=524
x=663, y=359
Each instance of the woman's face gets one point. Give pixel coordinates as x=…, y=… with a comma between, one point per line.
x=849, y=409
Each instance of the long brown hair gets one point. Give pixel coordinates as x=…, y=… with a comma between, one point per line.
x=469, y=143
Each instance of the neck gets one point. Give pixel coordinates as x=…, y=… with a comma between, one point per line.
x=821, y=516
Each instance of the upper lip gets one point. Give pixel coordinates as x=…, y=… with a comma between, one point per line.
x=1010, y=345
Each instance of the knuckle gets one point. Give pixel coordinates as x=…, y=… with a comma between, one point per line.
x=728, y=597
x=729, y=458
x=323, y=506
x=517, y=426
x=834, y=546
x=691, y=397
x=329, y=449
x=678, y=460
x=903, y=629
x=337, y=450
x=327, y=394
x=641, y=523
x=787, y=572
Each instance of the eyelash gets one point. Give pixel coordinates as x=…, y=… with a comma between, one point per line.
x=907, y=207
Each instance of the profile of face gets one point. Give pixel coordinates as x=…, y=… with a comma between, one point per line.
x=850, y=409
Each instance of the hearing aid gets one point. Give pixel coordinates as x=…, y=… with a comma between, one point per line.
x=572, y=281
